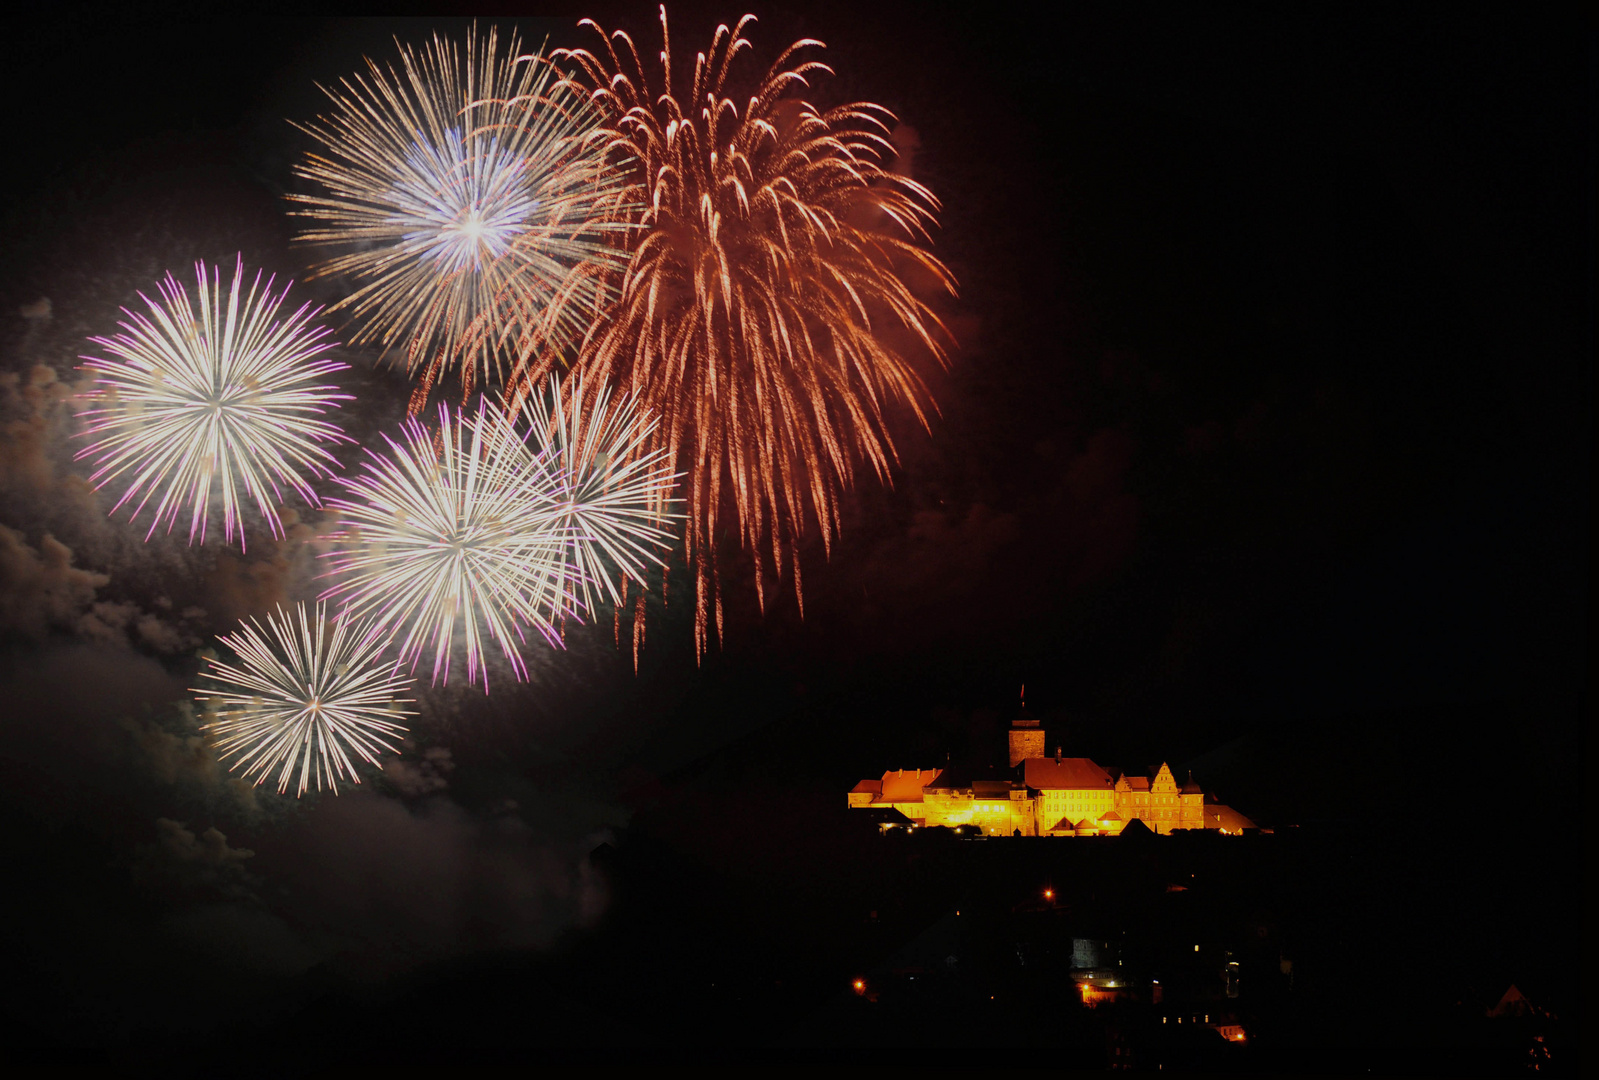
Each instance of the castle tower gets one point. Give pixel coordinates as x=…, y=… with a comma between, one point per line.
x=1026, y=740
x=1193, y=804
x=1026, y=736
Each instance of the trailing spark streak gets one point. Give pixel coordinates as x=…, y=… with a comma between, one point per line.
x=305, y=695
x=473, y=206
x=215, y=399
x=765, y=313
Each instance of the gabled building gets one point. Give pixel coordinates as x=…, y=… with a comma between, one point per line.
x=1048, y=796
x=1071, y=791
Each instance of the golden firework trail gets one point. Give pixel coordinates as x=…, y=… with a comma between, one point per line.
x=212, y=400
x=304, y=696
x=762, y=293
x=471, y=203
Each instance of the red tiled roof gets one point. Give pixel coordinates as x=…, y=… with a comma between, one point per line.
x=1112, y=816
x=905, y=785
x=1074, y=773
x=1137, y=783
x=865, y=787
x=1063, y=825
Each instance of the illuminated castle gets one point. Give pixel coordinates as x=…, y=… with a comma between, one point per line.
x=1050, y=796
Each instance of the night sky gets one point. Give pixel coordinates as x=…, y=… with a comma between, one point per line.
x=1264, y=452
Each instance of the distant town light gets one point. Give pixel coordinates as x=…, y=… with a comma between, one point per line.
x=860, y=986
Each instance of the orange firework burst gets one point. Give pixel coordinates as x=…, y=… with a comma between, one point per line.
x=751, y=318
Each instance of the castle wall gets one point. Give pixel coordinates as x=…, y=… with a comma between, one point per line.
x=996, y=816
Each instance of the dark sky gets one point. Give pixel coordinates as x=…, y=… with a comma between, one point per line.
x=1269, y=427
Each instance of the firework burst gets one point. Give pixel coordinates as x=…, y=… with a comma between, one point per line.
x=491, y=531
x=612, y=494
x=473, y=205
x=456, y=532
x=306, y=694
x=765, y=291
x=212, y=400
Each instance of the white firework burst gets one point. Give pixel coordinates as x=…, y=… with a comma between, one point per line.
x=452, y=533
x=217, y=399
x=305, y=695
x=612, y=493
x=490, y=529
x=474, y=204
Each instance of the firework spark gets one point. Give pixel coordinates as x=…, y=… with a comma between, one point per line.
x=214, y=399
x=773, y=256
x=305, y=695
x=474, y=206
